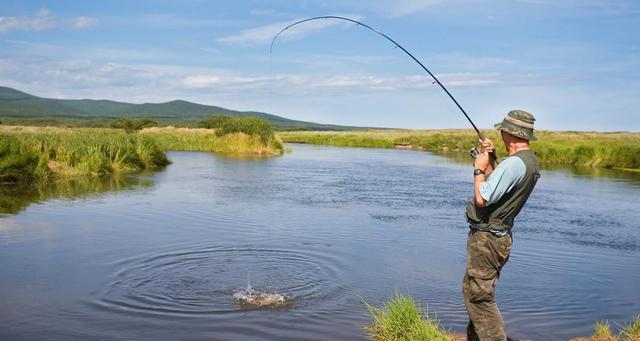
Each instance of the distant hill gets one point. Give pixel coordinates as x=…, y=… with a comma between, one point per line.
x=18, y=107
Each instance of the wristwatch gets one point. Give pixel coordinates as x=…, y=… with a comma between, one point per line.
x=478, y=171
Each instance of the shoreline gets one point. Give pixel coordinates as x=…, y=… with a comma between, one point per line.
x=619, y=150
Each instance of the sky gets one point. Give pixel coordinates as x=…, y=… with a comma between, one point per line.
x=574, y=64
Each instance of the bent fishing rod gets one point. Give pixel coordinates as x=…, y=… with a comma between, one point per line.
x=437, y=81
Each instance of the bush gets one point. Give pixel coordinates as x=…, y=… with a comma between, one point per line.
x=130, y=125
x=224, y=125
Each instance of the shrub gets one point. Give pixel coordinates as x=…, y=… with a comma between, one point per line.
x=224, y=125
x=130, y=125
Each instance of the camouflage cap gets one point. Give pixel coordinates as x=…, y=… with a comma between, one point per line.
x=518, y=123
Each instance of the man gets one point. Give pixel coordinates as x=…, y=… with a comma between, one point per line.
x=499, y=193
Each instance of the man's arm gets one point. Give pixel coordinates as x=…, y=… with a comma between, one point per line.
x=481, y=162
x=490, y=189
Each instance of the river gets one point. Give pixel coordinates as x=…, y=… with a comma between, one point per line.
x=159, y=256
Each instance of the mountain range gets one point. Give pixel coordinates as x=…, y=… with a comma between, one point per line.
x=17, y=107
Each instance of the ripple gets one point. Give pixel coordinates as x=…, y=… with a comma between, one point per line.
x=203, y=281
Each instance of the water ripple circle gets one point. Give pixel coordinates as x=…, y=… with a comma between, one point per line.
x=203, y=281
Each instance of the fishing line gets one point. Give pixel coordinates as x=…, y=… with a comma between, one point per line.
x=436, y=80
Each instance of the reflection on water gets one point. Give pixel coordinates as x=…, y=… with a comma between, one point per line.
x=16, y=197
x=326, y=227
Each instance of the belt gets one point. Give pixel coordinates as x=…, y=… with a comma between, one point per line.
x=497, y=233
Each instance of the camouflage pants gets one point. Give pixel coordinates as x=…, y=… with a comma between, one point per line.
x=486, y=254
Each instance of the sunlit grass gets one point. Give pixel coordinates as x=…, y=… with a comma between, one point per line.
x=631, y=331
x=169, y=138
x=602, y=332
x=628, y=332
x=42, y=153
x=401, y=319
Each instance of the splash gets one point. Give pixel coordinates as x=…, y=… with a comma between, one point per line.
x=254, y=298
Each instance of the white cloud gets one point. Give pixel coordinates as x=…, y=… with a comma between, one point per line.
x=42, y=21
x=83, y=22
x=406, y=7
x=264, y=34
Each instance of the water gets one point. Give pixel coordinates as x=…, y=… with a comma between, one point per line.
x=160, y=256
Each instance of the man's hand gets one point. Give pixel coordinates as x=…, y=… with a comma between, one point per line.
x=482, y=161
x=487, y=145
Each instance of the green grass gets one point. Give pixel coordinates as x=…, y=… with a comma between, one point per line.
x=43, y=153
x=602, y=332
x=401, y=319
x=591, y=149
x=631, y=331
x=169, y=138
x=225, y=125
x=628, y=332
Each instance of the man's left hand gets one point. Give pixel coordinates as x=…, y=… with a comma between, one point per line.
x=482, y=161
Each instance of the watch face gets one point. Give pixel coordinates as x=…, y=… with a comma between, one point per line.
x=478, y=171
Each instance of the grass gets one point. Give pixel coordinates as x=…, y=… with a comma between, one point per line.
x=628, y=332
x=169, y=138
x=37, y=153
x=41, y=153
x=603, y=332
x=401, y=319
x=631, y=331
x=591, y=149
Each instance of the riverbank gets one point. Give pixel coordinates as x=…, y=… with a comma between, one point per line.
x=618, y=150
x=42, y=153
x=402, y=319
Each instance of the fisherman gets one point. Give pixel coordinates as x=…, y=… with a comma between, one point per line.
x=499, y=193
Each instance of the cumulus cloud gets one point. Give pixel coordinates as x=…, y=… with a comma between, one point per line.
x=42, y=21
x=264, y=34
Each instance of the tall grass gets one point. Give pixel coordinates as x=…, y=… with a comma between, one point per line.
x=631, y=331
x=17, y=161
x=169, y=138
x=628, y=332
x=591, y=149
x=252, y=126
x=48, y=152
x=401, y=319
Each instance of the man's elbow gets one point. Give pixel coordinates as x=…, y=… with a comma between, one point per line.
x=481, y=203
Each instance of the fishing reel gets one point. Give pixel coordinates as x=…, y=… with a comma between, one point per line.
x=474, y=152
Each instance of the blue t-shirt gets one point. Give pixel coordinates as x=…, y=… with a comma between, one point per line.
x=509, y=173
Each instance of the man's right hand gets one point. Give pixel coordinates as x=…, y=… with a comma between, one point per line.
x=487, y=145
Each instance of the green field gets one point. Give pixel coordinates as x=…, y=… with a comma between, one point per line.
x=592, y=149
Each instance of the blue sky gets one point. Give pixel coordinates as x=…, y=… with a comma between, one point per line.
x=574, y=64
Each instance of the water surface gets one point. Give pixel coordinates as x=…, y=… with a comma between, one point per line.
x=161, y=257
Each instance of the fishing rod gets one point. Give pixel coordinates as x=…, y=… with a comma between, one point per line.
x=437, y=81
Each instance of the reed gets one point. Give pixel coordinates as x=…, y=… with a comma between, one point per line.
x=43, y=153
x=401, y=319
x=590, y=149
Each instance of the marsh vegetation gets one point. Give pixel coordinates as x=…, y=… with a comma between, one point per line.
x=43, y=153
